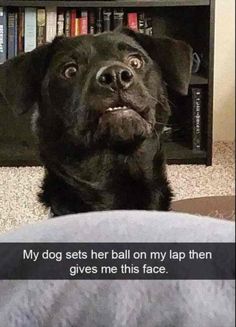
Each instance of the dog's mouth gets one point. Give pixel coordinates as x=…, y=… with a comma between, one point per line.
x=127, y=109
x=122, y=125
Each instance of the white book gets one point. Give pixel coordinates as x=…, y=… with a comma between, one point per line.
x=51, y=23
x=60, y=23
x=3, y=34
x=30, y=29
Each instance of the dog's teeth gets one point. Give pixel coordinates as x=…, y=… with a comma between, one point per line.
x=116, y=108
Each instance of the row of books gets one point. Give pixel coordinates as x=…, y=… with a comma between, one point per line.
x=24, y=29
x=186, y=123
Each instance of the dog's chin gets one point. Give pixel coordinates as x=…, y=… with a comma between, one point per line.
x=122, y=130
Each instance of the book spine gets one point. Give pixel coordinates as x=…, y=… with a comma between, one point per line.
x=67, y=23
x=133, y=21
x=51, y=23
x=91, y=23
x=196, y=116
x=118, y=17
x=41, y=27
x=21, y=30
x=30, y=29
x=73, y=22
x=99, y=21
x=106, y=20
x=148, y=26
x=60, y=23
x=141, y=22
x=15, y=34
x=84, y=22
x=77, y=26
x=10, y=35
x=3, y=35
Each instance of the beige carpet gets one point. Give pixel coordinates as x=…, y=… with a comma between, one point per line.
x=19, y=186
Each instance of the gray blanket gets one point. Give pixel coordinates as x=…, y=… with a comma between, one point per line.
x=104, y=303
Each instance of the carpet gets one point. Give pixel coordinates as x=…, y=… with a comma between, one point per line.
x=19, y=186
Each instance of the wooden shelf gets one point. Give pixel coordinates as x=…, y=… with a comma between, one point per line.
x=87, y=4
x=177, y=153
x=198, y=80
x=17, y=154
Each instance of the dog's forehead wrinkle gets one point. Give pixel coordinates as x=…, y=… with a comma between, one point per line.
x=116, y=41
x=74, y=48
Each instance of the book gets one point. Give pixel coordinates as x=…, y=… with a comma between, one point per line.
x=83, y=27
x=196, y=116
x=30, y=29
x=41, y=27
x=99, y=21
x=67, y=23
x=11, y=35
x=141, y=22
x=132, y=20
x=3, y=35
x=15, y=33
x=51, y=23
x=106, y=20
x=77, y=26
x=73, y=16
x=118, y=17
x=148, y=25
x=91, y=22
x=21, y=30
x=60, y=23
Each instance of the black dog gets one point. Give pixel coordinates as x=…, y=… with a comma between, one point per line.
x=102, y=104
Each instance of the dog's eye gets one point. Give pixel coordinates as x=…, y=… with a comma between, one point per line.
x=70, y=71
x=135, y=62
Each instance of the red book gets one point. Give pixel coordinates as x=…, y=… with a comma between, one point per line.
x=83, y=21
x=133, y=20
x=72, y=22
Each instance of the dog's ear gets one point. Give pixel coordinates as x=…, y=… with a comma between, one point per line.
x=21, y=77
x=174, y=57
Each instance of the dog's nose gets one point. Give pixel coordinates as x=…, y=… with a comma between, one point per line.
x=115, y=77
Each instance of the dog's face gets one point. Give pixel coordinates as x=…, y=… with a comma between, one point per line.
x=107, y=89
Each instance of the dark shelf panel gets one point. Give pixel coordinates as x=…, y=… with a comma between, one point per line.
x=157, y=3
x=177, y=153
x=198, y=80
x=16, y=155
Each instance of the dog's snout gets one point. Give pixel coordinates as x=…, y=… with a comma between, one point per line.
x=115, y=77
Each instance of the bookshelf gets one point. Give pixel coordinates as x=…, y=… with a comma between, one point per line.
x=178, y=19
x=87, y=4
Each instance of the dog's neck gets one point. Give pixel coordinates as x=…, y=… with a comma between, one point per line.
x=104, y=174
x=105, y=179
x=82, y=163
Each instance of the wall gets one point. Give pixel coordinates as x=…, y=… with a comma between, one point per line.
x=224, y=72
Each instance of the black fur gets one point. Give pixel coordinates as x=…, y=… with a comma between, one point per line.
x=97, y=159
